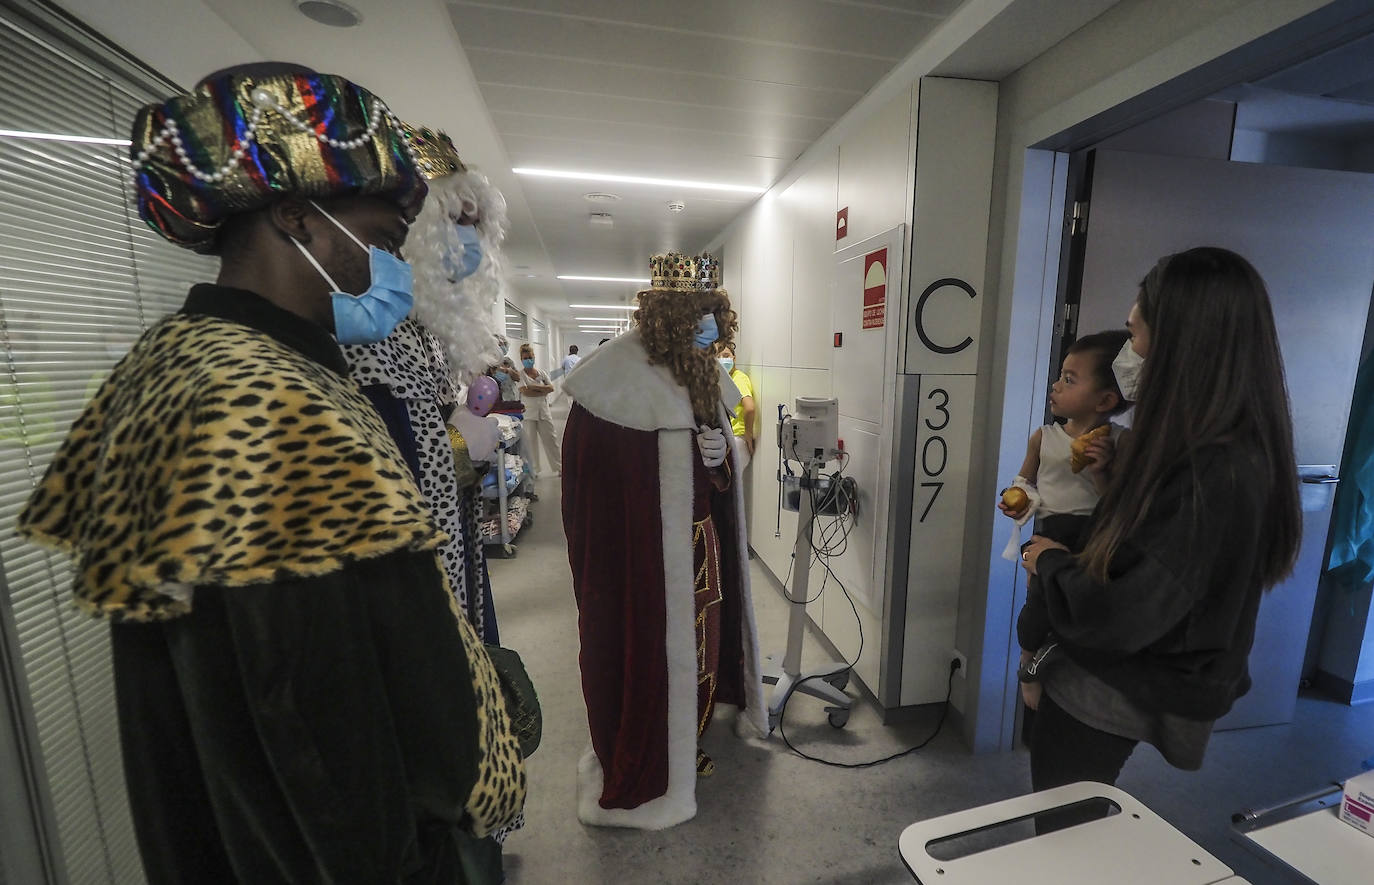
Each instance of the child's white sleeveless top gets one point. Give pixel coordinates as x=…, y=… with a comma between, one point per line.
x=1062, y=490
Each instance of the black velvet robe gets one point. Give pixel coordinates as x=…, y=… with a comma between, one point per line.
x=309, y=730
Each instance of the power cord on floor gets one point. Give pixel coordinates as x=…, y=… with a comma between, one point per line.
x=944, y=711
x=823, y=556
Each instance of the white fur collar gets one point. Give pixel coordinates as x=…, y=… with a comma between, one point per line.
x=616, y=383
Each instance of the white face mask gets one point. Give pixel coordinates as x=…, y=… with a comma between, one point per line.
x=1126, y=367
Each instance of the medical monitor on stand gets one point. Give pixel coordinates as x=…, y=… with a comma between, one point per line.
x=810, y=437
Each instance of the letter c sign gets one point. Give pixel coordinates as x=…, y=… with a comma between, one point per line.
x=920, y=315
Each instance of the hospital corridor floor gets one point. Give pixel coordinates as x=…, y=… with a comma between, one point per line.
x=772, y=818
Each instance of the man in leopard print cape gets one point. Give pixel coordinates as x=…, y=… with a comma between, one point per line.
x=299, y=698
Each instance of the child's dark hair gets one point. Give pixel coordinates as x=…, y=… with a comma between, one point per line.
x=1102, y=348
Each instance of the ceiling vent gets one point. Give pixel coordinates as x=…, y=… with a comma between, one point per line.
x=330, y=12
x=601, y=219
x=599, y=197
x=676, y=205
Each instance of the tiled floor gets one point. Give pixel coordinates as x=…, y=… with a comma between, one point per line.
x=771, y=818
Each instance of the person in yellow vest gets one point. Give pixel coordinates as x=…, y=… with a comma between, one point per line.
x=743, y=419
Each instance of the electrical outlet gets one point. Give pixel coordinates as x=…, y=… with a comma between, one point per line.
x=957, y=655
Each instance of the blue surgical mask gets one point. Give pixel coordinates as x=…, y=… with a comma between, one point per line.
x=529, y=364
x=370, y=316
x=707, y=331
x=505, y=348
x=459, y=266
x=501, y=377
x=728, y=363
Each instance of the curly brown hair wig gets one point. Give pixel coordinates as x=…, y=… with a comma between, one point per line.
x=667, y=322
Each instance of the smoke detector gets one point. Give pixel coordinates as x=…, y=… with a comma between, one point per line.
x=601, y=219
x=676, y=205
x=330, y=12
x=599, y=197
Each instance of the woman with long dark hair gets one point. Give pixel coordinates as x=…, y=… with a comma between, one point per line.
x=1151, y=625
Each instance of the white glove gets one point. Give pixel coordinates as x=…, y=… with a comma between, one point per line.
x=711, y=442
x=481, y=434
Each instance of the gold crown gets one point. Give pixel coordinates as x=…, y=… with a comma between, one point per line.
x=434, y=152
x=685, y=273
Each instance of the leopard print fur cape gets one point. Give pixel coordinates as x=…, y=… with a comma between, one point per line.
x=213, y=454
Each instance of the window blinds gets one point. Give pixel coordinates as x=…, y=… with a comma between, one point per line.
x=516, y=323
x=80, y=278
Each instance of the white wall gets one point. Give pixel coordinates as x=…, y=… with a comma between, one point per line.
x=1360, y=157
x=546, y=355
x=155, y=31
x=1123, y=54
x=1109, y=66
x=1291, y=149
x=778, y=262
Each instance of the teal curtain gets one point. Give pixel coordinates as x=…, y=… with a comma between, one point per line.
x=1352, y=525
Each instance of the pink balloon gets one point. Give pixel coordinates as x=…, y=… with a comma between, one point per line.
x=482, y=395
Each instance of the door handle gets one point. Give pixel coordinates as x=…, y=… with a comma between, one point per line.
x=1321, y=480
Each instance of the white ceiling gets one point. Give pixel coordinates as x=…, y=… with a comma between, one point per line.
x=720, y=90
x=715, y=90
x=709, y=90
x=1330, y=96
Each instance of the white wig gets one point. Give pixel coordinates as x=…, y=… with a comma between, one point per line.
x=461, y=314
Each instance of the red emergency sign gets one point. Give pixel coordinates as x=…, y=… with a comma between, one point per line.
x=875, y=289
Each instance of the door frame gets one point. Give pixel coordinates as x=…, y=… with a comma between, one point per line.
x=1041, y=258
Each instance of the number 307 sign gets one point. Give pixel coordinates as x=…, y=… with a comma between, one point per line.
x=944, y=435
x=944, y=431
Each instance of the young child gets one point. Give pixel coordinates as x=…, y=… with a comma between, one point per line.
x=1062, y=497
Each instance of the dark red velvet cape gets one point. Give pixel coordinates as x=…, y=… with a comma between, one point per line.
x=613, y=522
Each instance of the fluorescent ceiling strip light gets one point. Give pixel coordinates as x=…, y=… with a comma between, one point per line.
x=602, y=279
x=638, y=179
x=604, y=307
x=51, y=136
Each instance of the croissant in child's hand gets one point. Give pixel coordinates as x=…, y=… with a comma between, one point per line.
x=1015, y=499
x=1078, y=449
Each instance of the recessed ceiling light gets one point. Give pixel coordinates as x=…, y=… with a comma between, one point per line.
x=639, y=179
x=531, y=275
x=604, y=306
x=599, y=197
x=330, y=12
x=52, y=136
x=601, y=219
x=601, y=279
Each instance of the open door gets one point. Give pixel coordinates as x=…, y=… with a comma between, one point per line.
x=1310, y=233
